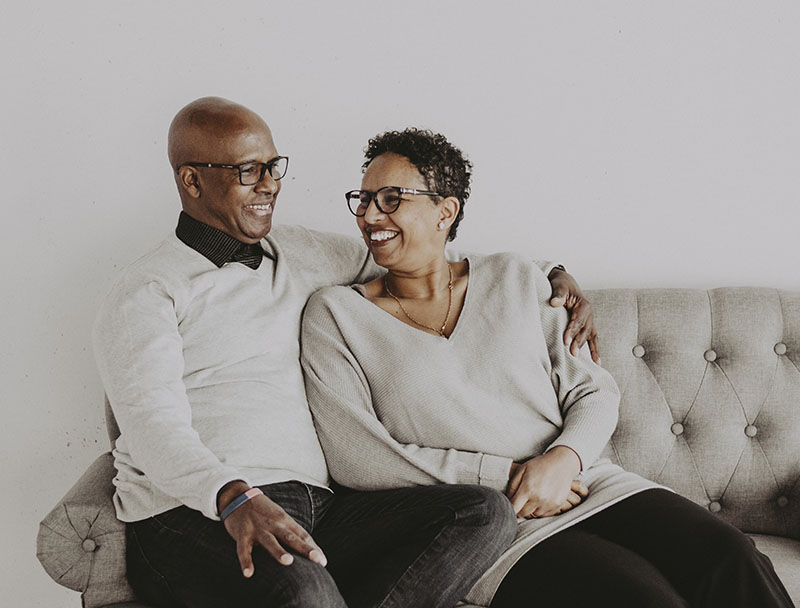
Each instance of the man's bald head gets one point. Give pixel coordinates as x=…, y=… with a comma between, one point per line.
x=209, y=140
x=201, y=131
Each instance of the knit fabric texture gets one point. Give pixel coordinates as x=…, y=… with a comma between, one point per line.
x=395, y=406
x=201, y=367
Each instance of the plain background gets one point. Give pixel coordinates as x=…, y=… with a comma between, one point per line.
x=639, y=143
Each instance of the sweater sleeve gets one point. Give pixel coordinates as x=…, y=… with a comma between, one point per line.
x=587, y=394
x=139, y=353
x=455, y=256
x=360, y=451
x=347, y=258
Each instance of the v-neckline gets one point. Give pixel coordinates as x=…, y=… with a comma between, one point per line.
x=467, y=299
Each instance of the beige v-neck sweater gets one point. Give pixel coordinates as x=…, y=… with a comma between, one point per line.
x=395, y=406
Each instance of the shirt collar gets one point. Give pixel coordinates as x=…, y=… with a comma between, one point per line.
x=210, y=242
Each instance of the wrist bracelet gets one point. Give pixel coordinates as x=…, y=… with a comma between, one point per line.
x=238, y=502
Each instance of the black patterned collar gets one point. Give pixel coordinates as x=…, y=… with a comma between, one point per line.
x=216, y=245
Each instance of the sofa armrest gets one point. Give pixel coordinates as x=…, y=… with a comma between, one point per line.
x=81, y=543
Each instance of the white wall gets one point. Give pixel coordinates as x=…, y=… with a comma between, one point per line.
x=640, y=143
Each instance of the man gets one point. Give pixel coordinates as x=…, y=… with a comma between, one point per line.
x=197, y=347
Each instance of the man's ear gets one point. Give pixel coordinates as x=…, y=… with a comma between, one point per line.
x=448, y=210
x=189, y=181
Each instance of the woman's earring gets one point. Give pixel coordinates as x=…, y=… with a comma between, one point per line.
x=441, y=225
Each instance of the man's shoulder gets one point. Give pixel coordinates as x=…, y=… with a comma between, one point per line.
x=165, y=262
x=319, y=258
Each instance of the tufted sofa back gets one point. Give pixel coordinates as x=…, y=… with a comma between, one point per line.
x=710, y=384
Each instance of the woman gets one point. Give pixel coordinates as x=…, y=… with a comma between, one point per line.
x=456, y=372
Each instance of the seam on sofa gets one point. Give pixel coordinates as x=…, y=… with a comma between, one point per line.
x=771, y=386
x=69, y=519
x=67, y=571
x=783, y=326
x=782, y=514
x=768, y=392
x=54, y=531
x=655, y=380
x=794, y=364
x=697, y=471
x=758, y=440
x=697, y=393
x=624, y=386
x=730, y=479
x=669, y=455
x=733, y=388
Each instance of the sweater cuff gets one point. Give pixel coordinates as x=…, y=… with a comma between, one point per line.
x=587, y=454
x=547, y=267
x=215, y=485
x=494, y=471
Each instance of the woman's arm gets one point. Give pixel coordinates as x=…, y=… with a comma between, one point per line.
x=588, y=398
x=587, y=394
x=360, y=452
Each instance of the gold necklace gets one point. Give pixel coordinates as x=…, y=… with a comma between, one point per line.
x=403, y=308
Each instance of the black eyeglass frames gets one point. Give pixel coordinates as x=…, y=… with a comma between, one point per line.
x=387, y=199
x=251, y=173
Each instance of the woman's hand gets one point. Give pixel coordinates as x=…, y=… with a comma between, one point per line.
x=546, y=485
x=581, y=329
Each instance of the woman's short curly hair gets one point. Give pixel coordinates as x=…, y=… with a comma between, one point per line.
x=444, y=167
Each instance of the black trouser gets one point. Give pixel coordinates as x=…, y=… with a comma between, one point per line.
x=652, y=549
x=420, y=547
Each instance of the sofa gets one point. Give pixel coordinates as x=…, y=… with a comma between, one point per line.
x=710, y=384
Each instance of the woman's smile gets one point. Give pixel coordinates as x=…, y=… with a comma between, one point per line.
x=379, y=237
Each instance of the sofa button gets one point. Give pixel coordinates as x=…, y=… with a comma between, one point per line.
x=710, y=355
x=715, y=507
x=783, y=501
x=88, y=545
x=638, y=351
x=780, y=348
x=750, y=430
x=677, y=429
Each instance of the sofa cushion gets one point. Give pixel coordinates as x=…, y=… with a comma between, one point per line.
x=81, y=543
x=785, y=556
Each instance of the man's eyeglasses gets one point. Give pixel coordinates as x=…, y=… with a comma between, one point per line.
x=387, y=199
x=252, y=173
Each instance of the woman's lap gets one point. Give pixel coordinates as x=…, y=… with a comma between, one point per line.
x=654, y=548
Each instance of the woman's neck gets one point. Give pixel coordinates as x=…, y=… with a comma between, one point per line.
x=429, y=282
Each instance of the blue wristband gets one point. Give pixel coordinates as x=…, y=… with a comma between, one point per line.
x=238, y=502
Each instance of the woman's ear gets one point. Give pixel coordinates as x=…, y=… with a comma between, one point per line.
x=448, y=211
x=188, y=180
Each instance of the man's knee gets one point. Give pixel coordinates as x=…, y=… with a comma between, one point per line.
x=489, y=511
x=303, y=584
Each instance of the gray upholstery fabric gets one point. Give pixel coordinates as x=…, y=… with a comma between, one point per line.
x=710, y=384
x=785, y=556
x=81, y=543
x=709, y=406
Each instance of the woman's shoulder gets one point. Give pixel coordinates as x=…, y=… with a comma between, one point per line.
x=330, y=298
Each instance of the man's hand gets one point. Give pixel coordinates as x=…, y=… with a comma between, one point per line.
x=581, y=329
x=264, y=522
x=546, y=485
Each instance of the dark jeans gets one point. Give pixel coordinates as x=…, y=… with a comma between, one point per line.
x=654, y=549
x=414, y=547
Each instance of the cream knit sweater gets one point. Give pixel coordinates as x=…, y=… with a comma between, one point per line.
x=201, y=366
x=395, y=406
